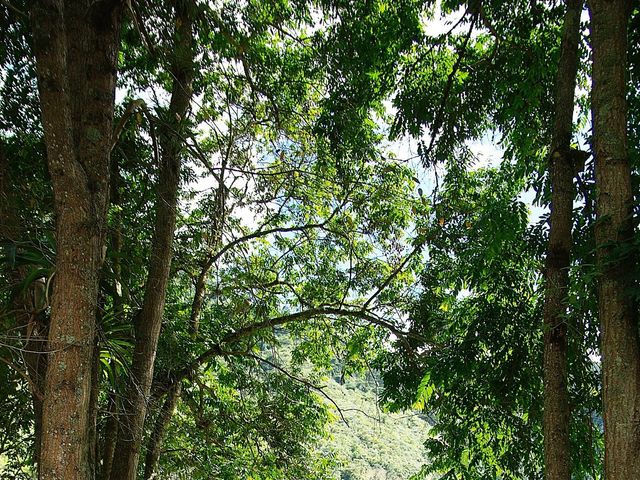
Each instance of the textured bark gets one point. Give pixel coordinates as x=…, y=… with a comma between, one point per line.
x=157, y=435
x=149, y=321
x=556, y=396
x=76, y=45
x=614, y=231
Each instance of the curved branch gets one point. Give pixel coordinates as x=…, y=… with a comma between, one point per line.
x=217, y=350
x=13, y=8
x=263, y=233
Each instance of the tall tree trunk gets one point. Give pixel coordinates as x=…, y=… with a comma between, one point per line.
x=76, y=46
x=149, y=321
x=173, y=395
x=556, y=396
x=159, y=429
x=613, y=232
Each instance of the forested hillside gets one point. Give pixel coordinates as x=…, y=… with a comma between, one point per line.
x=373, y=444
x=267, y=239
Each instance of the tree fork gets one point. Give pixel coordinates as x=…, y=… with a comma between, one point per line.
x=76, y=46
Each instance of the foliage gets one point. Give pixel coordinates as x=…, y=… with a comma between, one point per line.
x=298, y=223
x=245, y=420
x=15, y=440
x=475, y=363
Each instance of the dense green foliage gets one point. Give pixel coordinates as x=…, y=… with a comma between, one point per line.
x=304, y=241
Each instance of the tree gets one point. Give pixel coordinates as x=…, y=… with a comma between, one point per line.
x=148, y=321
x=562, y=166
x=614, y=233
x=473, y=361
x=76, y=47
x=469, y=86
x=287, y=236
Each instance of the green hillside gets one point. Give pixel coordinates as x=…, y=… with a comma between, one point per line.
x=374, y=445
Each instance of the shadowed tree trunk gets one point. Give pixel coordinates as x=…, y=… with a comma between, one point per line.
x=27, y=306
x=556, y=397
x=159, y=429
x=76, y=46
x=110, y=437
x=104, y=456
x=149, y=321
x=614, y=232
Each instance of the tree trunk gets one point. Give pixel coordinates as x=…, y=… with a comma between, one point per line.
x=217, y=228
x=556, y=396
x=148, y=322
x=198, y=298
x=110, y=437
x=173, y=395
x=76, y=46
x=93, y=408
x=614, y=232
x=159, y=430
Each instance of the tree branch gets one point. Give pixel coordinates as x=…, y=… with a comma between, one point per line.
x=13, y=8
x=302, y=381
x=262, y=233
x=217, y=350
x=438, y=121
x=25, y=377
x=393, y=275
